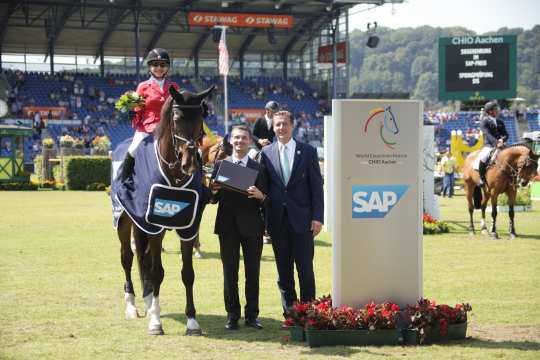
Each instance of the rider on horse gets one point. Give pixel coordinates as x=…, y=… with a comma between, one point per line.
x=495, y=136
x=155, y=91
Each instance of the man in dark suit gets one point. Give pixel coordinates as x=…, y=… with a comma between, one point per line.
x=263, y=133
x=294, y=213
x=495, y=136
x=239, y=223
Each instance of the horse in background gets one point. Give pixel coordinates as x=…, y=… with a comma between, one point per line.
x=514, y=165
x=178, y=137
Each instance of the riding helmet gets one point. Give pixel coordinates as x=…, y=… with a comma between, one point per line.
x=272, y=106
x=158, y=54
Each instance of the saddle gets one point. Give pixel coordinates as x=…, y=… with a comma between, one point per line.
x=492, y=156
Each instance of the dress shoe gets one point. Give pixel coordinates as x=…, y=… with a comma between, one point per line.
x=254, y=323
x=231, y=324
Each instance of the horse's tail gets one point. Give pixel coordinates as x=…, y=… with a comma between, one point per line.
x=477, y=197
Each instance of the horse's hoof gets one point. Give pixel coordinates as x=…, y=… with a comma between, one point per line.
x=156, y=330
x=513, y=236
x=198, y=255
x=484, y=231
x=193, y=332
x=494, y=236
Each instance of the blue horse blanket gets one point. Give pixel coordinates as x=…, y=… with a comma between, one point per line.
x=150, y=200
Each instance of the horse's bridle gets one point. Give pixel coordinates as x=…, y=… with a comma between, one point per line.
x=192, y=143
x=514, y=172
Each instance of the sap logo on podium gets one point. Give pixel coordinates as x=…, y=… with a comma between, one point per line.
x=375, y=201
x=168, y=208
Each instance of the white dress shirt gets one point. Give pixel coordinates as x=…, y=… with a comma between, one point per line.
x=243, y=161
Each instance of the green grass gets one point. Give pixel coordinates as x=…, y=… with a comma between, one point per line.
x=61, y=289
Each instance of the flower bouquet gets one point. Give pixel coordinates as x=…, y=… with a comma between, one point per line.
x=129, y=101
x=432, y=226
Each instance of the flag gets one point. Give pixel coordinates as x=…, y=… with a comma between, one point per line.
x=223, y=55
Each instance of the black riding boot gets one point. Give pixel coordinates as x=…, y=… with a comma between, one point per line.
x=482, y=169
x=127, y=167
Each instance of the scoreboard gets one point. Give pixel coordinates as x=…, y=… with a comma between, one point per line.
x=477, y=67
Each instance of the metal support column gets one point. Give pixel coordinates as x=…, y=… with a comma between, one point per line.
x=102, y=63
x=196, y=65
x=241, y=59
x=347, y=55
x=137, y=15
x=285, y=60
x=335, y=27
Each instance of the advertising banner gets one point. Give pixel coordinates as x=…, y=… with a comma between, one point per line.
x=240, y=20
x=249, y=114
x=58, y=112
x=376, y=200
x=324, y=54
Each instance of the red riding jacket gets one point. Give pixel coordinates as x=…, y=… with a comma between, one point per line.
x=146, y=119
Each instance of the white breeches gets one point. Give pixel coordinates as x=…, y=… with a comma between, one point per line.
x=137, y=138
x=482, y=156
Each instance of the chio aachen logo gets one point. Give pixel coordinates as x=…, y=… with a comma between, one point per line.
x=168, y=208
x=387, y=125
x=375, y=201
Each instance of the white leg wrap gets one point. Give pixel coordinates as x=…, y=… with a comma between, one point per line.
x=147, y=303
x=131, y=309
x=154, y=313
x=192, y=324
x=482, y=223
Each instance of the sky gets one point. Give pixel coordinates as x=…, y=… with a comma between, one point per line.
x=478, y=15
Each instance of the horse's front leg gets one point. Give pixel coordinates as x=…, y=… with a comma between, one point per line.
x=156, y=274
x=188, y=278
x=511, y=201
x=494, y=234
x=126, y=258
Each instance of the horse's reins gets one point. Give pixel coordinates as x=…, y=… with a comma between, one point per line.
x=514, y=173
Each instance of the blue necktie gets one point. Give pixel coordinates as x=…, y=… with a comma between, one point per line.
x=285, y=167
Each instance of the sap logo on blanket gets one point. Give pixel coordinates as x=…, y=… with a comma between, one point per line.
x=375, y=201
x=168, y=208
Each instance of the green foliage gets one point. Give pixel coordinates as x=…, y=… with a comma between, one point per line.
x=523, y=197
x=81, y=171
x=406, y=60
x=11, y=186
x=96, y=187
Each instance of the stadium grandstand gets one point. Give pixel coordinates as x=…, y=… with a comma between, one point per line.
x=65, y=63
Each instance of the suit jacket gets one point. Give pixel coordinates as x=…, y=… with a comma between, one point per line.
x=237, y=208
x=260, y=131
x=302, y=196
x=493, y=132
x=147, y=119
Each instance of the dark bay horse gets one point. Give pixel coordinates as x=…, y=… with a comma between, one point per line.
x=178, y=137
x=514, y=165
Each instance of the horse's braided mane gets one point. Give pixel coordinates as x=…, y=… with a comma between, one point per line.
x=520, y=144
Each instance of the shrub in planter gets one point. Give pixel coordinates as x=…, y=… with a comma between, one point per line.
x=12, y=186
x=66, y=141
x=47, y=143
x=432, y=226
x=523, y=197
x=81, y=171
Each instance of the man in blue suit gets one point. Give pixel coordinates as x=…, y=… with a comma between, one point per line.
x=294, y=212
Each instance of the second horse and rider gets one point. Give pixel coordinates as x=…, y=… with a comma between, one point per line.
x=286, y=199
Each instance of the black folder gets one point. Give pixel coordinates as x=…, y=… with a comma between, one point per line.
x=235, y=177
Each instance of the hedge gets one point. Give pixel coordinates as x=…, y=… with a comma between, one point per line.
x=82, y=171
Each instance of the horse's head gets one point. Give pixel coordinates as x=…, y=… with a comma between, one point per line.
x=527, y=166
x=182, y=121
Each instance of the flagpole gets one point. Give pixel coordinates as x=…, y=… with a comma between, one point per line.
x=223, y=65
x=226, y=94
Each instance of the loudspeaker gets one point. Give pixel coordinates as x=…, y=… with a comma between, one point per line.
x=372, y=41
